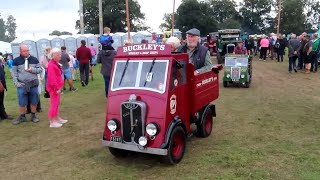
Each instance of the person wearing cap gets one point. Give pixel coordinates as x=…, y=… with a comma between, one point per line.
x=240, y=49
x=307, y=54
x=199, y=55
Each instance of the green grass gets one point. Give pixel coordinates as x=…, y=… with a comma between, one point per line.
x=269, y=131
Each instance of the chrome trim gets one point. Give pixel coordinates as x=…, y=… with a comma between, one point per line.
x=136, y=148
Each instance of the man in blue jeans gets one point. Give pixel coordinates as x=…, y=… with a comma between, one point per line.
x=24, y=74
x=105, y=57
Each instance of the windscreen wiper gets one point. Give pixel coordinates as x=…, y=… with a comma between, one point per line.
x=151, y=67
x=124, y=71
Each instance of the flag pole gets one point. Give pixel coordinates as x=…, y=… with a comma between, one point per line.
x=279, y=14
x=128, y=21
x=172, y=18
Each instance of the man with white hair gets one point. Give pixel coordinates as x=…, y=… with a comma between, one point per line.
x=293, y=46
x=199, y=55
x=24, y=74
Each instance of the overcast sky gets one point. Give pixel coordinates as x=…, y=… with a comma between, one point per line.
x=41, y=17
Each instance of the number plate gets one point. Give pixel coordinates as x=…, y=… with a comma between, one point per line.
x=116, y=139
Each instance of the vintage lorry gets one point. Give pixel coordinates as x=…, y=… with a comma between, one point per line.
x=227, y=40
x=211, y=43
x=237, y=70
x=153, y=99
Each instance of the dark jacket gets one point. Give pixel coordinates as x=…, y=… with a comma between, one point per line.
x=280, y=45
x=83, y=55
x=3, y=77
x=293, y=45
x=199, y=55
x=106, y=58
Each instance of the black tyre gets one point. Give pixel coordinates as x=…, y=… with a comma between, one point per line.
x=225, y=83
x=119, y=153
x=204, y=128
x=247, y=84
x=177, y=146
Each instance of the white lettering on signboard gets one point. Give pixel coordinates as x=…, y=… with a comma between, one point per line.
x=146, y=47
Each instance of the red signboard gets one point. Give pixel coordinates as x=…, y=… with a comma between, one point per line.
x=144, y=50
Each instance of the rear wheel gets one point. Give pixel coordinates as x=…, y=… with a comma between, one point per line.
x=119, y=153
x=177, y=146
x=204, y=128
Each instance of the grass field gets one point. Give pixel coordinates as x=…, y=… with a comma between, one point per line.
x=269, y=131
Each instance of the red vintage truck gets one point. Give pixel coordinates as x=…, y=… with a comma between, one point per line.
x=153, y=99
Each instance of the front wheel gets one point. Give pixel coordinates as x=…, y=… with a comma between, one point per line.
x=204, y=128
x=225, y=83
x=119, y=153
x=247, y=84
x=177, y=146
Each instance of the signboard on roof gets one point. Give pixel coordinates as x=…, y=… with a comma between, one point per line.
x=144, y=50
x=225, y=31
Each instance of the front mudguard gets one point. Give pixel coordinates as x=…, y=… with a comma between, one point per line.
x=176, y=122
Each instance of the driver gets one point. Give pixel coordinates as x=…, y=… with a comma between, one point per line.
x=199, y=55
x=240, y=49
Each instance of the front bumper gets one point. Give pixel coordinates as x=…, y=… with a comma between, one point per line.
x=136, y=148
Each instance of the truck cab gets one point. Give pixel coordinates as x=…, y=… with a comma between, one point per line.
x=153, y=98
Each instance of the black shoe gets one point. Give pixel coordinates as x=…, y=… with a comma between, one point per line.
x=7, y=117
x=64, y=89
x=73, y=89
x=295, y=70
x=19, y=120
x=82, y=83
x=34, y=119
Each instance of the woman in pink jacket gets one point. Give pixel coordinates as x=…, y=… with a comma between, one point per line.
x=54, y=86
x=264, y=44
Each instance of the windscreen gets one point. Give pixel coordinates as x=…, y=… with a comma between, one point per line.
x=232, y=61
x=140, y=74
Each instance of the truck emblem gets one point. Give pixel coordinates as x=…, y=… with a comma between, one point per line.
x=130, y=106
x=173, y=104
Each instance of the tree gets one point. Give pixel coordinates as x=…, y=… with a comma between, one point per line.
x=11, y=27
x=224, y=11
x=167, y=24
x=114, y=16
x=58, y=33
x=292, y=19
x=2, y=30
x=55, y=33
x=255, y=14
x=194, y=14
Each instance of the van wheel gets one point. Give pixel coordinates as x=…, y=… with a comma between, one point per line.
x=177, y=146
x=225, y=83
x=119, y=153
x=247, y=84
x=204, y=128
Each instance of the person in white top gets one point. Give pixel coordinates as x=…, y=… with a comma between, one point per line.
x=71, y=64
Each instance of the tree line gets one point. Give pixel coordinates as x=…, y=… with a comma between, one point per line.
x=251, y=16
x=8, y=29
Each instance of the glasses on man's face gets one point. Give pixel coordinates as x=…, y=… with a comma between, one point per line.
x=25, y=50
